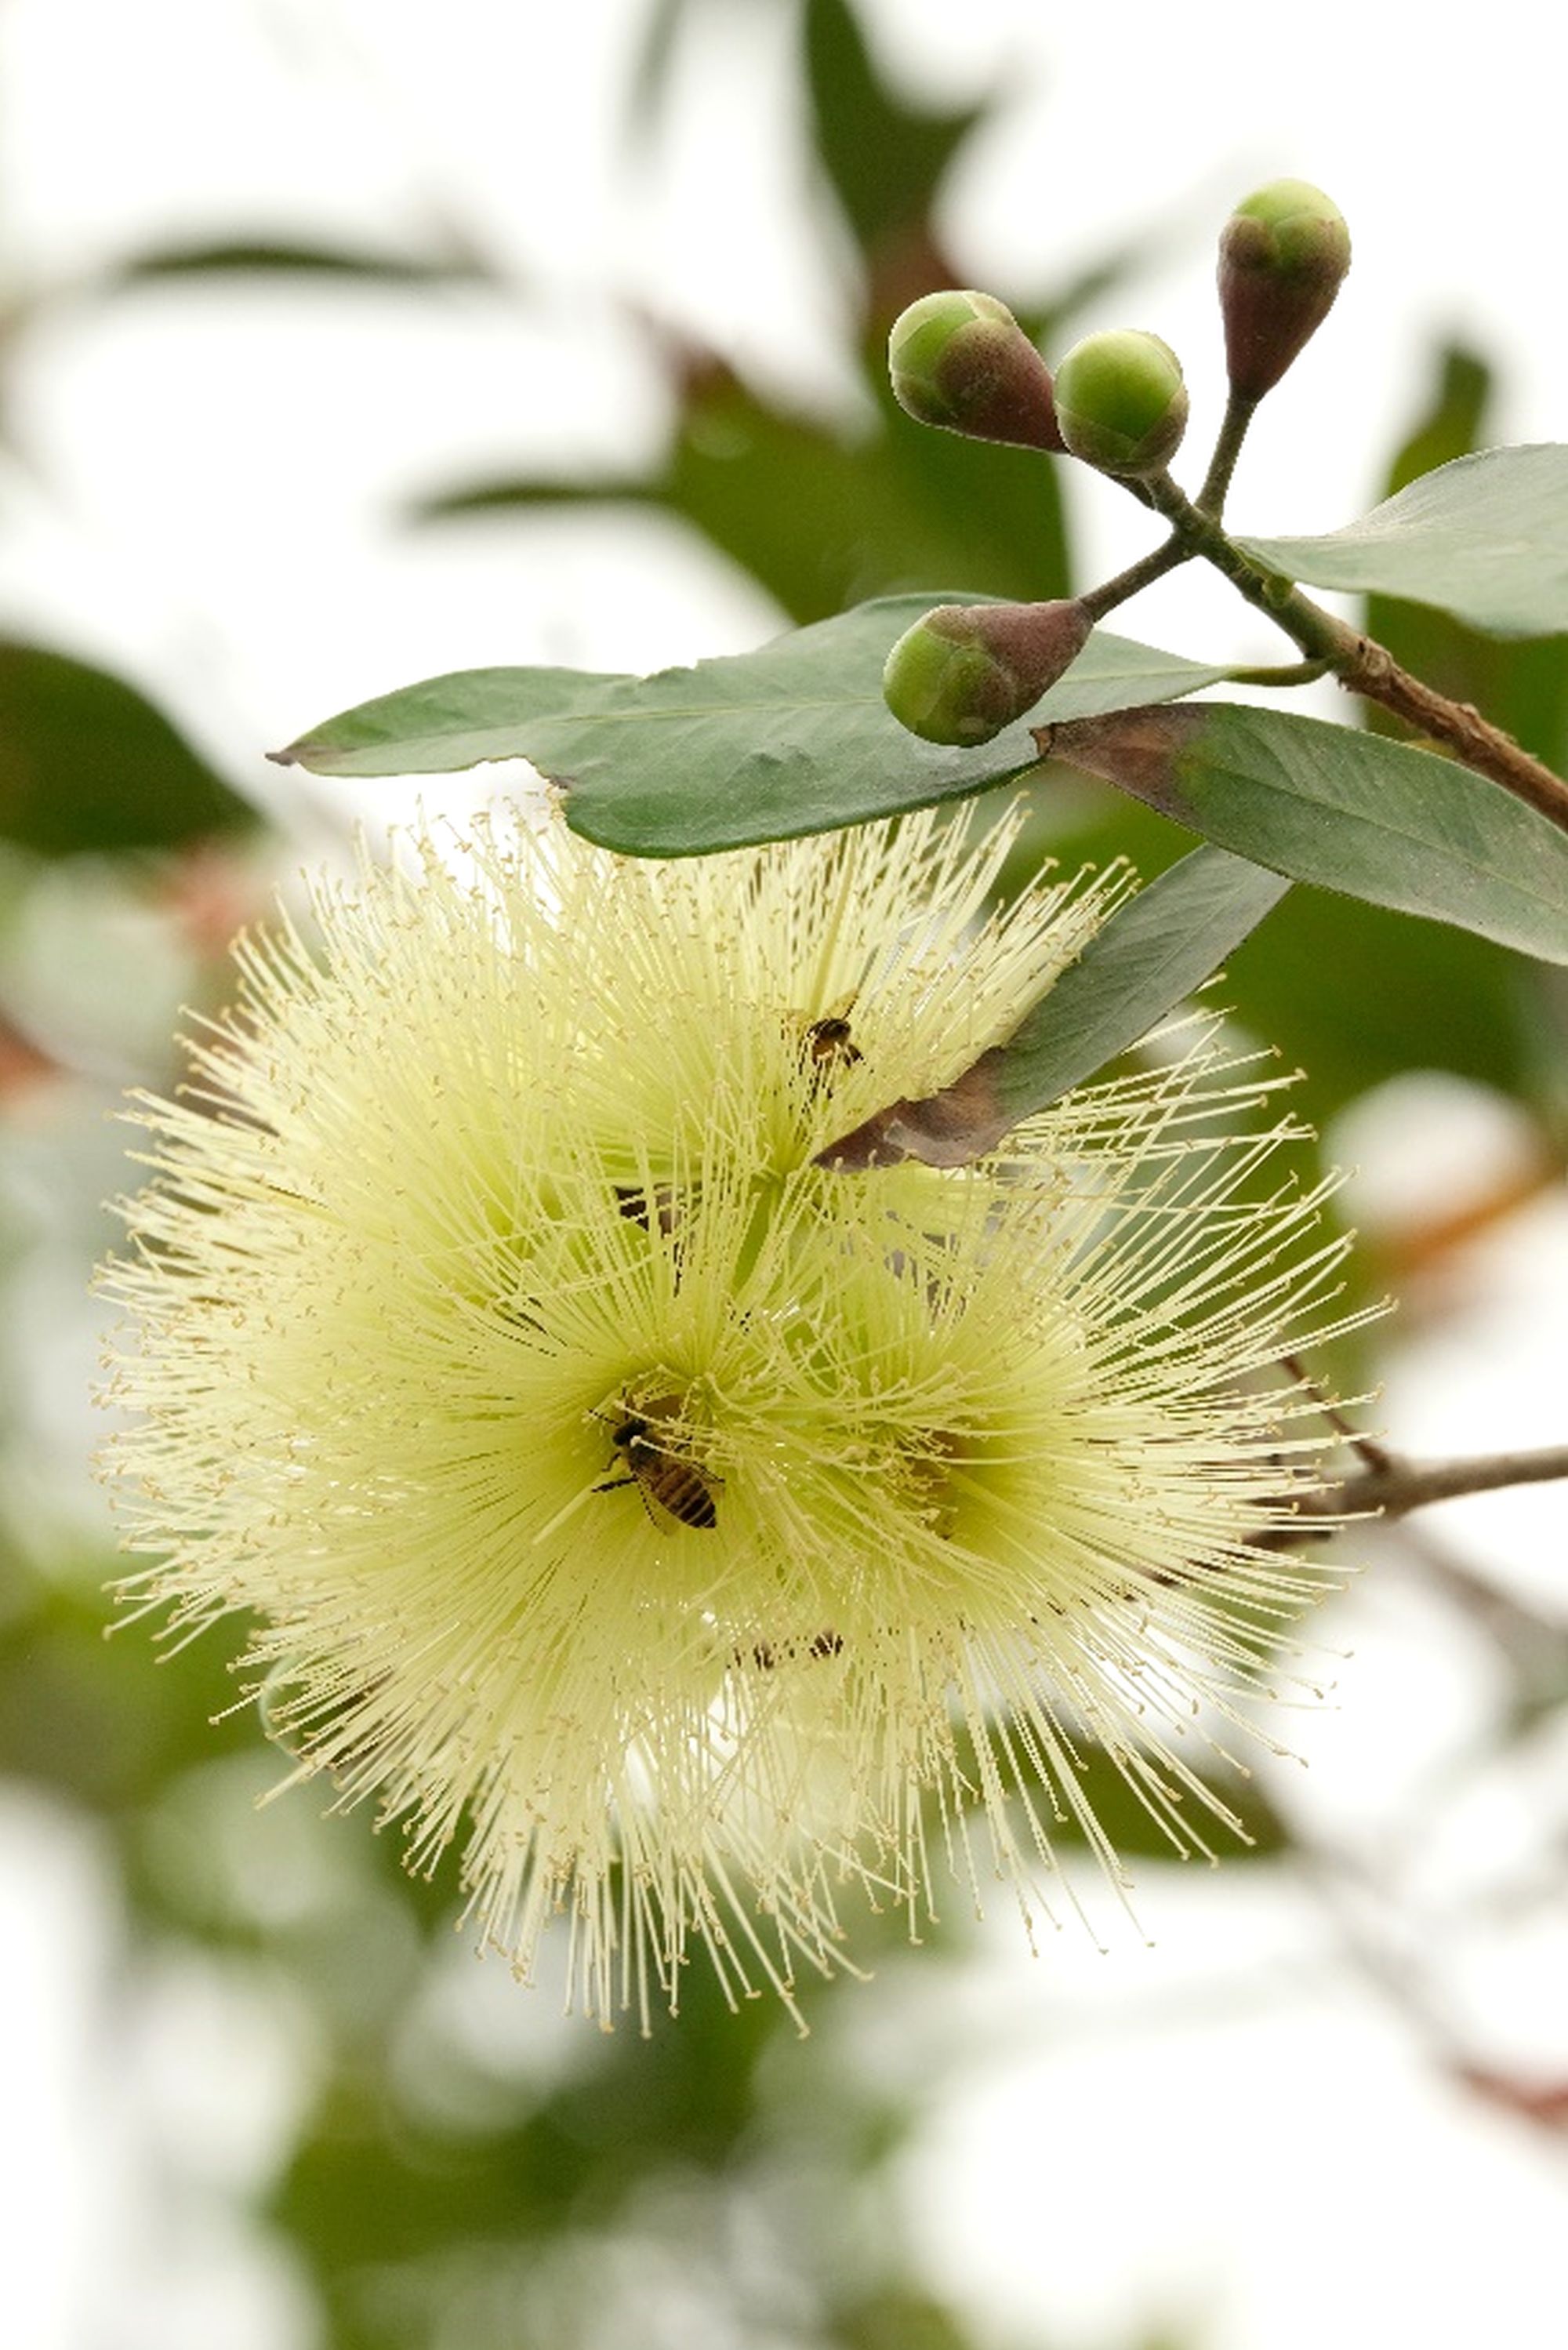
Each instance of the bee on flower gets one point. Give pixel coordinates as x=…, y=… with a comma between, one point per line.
x=685, y=1529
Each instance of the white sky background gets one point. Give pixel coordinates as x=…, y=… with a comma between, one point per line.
x=209, y=501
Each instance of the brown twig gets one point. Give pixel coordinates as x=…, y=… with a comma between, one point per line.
x=1393, y=1488
x=1369, y=669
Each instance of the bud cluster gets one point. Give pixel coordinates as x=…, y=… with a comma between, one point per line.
x=961, y=360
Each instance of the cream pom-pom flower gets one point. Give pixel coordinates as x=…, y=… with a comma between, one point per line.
x=685, y=1529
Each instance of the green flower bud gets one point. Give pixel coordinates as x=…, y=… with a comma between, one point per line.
x=1121, y=402
x=1283, y=254
x=962, y=361
x=966, y=670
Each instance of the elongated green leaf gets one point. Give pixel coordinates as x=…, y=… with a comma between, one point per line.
x=1485, y=538
x=445, y=723
x=1350, y=811
x=1156, y=951
x=1146, y=958
x=793, y=738
x=252, y=257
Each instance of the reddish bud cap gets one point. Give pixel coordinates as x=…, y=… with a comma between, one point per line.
x=961, y=360
x=964, y=671
x=1283, y=254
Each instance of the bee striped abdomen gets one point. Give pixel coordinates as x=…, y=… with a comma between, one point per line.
x=664, y=1477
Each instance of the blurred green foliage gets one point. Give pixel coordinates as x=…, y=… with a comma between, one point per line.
x=885, y=157
x=457, y=2179
x=825, y=514
x=87, y=763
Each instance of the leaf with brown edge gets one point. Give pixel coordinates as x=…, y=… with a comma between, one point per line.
x=1156, y=951
x=1377, y=819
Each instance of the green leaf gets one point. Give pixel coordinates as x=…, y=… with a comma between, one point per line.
x=793, y=738
x=1346, y=810
x=447, y=723
x=1172, y=938
x=87, y=762
x=1146, y=958
x=1521, y=683
x=247, y=258
x=1485, y=538
x=1367, y=1014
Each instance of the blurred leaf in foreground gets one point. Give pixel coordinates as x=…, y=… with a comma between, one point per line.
x=256, y=256
x=824, y=511
x=87, y=762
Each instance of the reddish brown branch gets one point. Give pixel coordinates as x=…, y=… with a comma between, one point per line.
x=1370, y=669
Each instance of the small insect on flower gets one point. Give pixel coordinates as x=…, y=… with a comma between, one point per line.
x=639, y=1207
x=511, y=1160
x=666, y=1477
x=831, y=1039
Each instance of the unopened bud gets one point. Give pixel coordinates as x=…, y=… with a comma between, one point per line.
x=962, y=361
x=1283, y=255
x=1121, y=402
x=966, y=670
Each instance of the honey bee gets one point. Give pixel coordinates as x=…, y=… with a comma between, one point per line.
x=667, y=1479
x=828, y=1043
x=830, y=1040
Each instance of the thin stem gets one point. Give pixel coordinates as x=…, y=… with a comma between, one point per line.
x=1320, y=635
x=1137, y=576
x=1240, y=410
x=1364, y=667
x=1393, y=1488
x=1282, y=673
